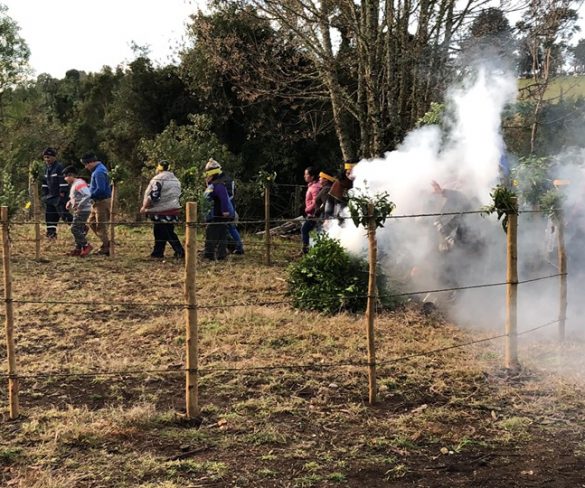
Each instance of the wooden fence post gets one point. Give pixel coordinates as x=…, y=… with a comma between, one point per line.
x=113, y=220
x=191, y=332
x=562, y=257
x=267, y=237
x=371, y=307
x=10, y=348
x=36, y=208
x=511, y=345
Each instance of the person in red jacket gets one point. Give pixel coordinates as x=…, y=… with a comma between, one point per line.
x=313, y=186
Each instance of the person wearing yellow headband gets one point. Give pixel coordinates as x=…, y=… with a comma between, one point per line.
x=325, y=203
x=220, y=214
x=162, y=205
x=340, y=188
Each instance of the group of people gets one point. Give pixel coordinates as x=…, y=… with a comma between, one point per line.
x=69, y=198
x=84, y=206
x=326, y=198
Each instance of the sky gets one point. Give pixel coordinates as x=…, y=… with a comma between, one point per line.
x=86, y=35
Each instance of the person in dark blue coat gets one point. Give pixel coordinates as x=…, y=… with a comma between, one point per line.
x=54, y=193
x=220, y=214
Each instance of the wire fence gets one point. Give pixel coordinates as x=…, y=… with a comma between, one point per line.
x=282, y=301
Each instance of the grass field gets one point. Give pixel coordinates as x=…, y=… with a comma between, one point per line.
x=452, y=418
x=561, y=86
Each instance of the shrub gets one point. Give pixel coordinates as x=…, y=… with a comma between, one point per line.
x=328, y=279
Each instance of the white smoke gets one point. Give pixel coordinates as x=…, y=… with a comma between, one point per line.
x=462, y=156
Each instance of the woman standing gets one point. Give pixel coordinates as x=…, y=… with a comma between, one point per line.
x=161, y=204
x=313, y=186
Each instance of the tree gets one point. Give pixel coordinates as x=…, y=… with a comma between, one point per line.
x=14, y=54
x=578, y=52
x=546, y=26
x=392, y=72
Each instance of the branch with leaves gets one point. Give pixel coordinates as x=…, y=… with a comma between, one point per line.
x=363, y=207
x=505, y=203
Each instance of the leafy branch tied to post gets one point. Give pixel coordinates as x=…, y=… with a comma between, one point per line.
x=505, y=203
x=363, y=207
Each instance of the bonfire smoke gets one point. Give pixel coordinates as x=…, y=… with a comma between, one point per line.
x=464, y=156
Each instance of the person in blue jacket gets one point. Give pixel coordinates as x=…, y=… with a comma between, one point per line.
x=101, y=193
x=220, y=214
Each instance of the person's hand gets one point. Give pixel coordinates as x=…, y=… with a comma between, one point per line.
x=143, y=209
x=68, y=205
x=226, y=214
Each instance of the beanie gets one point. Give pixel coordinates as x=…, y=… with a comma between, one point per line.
x=50, y=152
x=212, y=168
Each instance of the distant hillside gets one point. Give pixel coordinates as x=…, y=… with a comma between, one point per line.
x=562, y=86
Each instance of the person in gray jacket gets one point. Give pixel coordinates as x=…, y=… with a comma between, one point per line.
x=161, y=204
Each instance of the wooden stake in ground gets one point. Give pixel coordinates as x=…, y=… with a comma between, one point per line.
x=10, y=348
x=36, y=208
x=371, y=307
x=191, y=333
x=562, y=258
x=267, y=237
x=113, y=220
x=511, y=346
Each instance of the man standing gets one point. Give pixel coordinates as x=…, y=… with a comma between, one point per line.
x=54, y=193
x=101, y=192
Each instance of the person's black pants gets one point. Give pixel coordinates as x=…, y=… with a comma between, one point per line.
x=216, y=240
x=52, y=215
x=165, y=232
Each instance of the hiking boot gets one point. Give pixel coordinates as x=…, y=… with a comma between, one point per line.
x=75, y=252
x=85, y=250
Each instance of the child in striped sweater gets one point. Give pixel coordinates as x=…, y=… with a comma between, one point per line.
x=79, y=205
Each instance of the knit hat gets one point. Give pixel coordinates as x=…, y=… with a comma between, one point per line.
x=89, y=158
x=212, y=168
x=325, y=176
x=50, y=152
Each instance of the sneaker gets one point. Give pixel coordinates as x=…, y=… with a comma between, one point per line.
x=238, y=252
x=75, y=252
x=85, y=250
x=103, y=252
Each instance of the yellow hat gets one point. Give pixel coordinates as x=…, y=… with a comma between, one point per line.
x=325, y=176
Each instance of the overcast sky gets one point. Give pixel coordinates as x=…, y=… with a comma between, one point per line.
x=88, y=34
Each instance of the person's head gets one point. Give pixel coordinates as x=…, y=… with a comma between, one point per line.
x=212, y=170
x=311, y=174
x=70, y=173
x=49, y=155
x=163, y=165
x=325, y=179
x=348, y=167
x=89, y=161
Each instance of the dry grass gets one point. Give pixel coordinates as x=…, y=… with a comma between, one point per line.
x=272, y=427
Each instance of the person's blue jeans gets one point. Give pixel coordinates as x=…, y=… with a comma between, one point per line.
x=235, y=235
x=306, y=228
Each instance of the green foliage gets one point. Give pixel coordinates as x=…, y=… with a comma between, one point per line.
x=118, y=173
x=36, y=170
x=531, y=177
x=9, y=196
x=434, y=116
x=265, y=179
x=551, y=203
x=360, y=203
x=14, y=52
x=505, y=204
x=328, y=279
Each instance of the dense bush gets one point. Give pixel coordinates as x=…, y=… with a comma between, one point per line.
x=330, y=280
